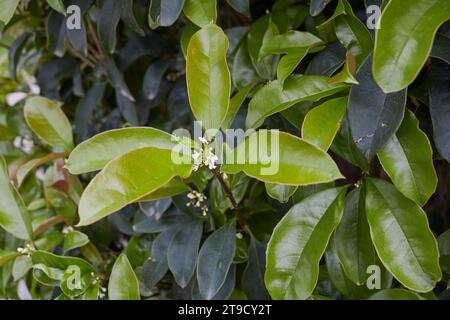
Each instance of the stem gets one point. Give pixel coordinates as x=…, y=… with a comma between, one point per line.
x=93, y=32
x=227, y=190
x=81, y=57
x=48, y=224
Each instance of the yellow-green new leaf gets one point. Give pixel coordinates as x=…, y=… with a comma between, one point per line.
x=404, y=40
x=49, y=122
x=322, y=123
x=208, y=77
x=401, y=235
x=201, y=12
x=285, y=159
x=123, y=283
x=95, y=153
x=129, y=178
x=299, y=241
x=14, y=216
x=407, y=158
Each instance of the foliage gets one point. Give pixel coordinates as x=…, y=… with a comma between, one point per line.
x=94, y=206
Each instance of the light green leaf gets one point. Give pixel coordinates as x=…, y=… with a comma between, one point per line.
x=127, y=179
x=74, y=239
x=123, y=283
x=353, y=243
x=49, y=122
x=407, y=158
x=395, y=294
x=21, y=266
x=95, y=153
x=402, y=238
x=208, y=77
x=172, y=188
x=7, y=9
x=286, y=159
x=289, y=42
x=404, y=40
x=322, y=123
x=280, y=192
x=201, y=12
x=14, y=216
x=289, y=63
x=299, y=241
x=273, y=97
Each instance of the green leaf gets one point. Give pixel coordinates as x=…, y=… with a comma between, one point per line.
x=214, y=260
x=183, y=250
x=404, y=40
x=395, y=294
x=335, y=270
x=123, y=283
x=235, y=104
x=289, y=63
x=253, y=277
x=14, y=216
x=57, y=5
x=353, y=243
x=127, y=15
x=292, y=160
x=21, y=266
x=127, y=179
x=299, y=241
x=164, y=12
x=401, y=235
x=261, y=32
x=6, y=256
x=7, y=9
x=242, y=70
x=440, y=106
x=49, y=122
x=14, y=53
x=407, y=158
x=208, y=77
x=444, y=251
x=53, y=270
x=74, y=239
x=350, y=31
x=441, y=48
x=317, y=6
x=274, y=98
x=156, y=266
x=95, y=153
x=374, y=116
x=322, y=123
x=108, y=20
x=289, y=42
x=201, y=12
x=172, y=188
x=280, y=192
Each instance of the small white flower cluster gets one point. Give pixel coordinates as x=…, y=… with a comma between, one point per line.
x=67, y=229
x=205, y=156
x=197, y=199
x=28, y=250
x=23, y=143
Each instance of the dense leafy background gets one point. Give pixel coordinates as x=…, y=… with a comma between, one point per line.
x=364, y=173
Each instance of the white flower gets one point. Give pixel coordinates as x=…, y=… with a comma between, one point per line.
x=239, y=235
x=197, y=199
x=15, y=97
x=197, y=158
x=203, y=140
x=210, y=159
x=67, y=229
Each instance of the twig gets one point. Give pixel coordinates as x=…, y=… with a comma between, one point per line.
x=48, y=224
x=227, y=190
x=99, y=51
x=81, y=57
